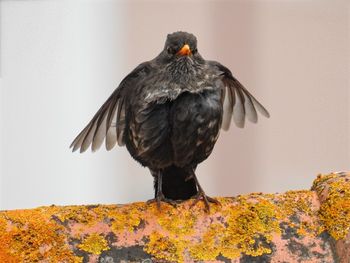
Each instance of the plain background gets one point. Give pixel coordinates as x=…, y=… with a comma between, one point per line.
x=60, y=60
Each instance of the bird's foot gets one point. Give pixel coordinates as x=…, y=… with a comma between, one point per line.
x=206, y=199
x=161, y=198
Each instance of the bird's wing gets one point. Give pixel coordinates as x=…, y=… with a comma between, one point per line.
x=109, y=121
x=237, y=100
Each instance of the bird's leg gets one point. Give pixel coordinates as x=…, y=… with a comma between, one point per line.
x=159, y=196
x=159, y=193
x=191, y=174
x=201, y=194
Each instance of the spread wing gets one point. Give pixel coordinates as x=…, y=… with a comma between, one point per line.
x=238, y=101
x=109, y=122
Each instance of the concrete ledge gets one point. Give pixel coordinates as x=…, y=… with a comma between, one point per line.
x=296, y=226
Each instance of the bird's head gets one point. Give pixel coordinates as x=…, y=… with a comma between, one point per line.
x=180, y=45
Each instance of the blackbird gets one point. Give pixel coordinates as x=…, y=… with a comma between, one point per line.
x=168, y=113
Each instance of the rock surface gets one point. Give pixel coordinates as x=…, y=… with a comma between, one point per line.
x=296, y=226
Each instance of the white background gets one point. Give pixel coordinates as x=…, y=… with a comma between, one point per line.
x=60, y=60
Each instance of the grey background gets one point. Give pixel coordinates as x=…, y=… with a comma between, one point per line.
x=60, y=60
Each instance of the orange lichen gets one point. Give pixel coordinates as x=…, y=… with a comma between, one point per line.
x=94, y=244
x=245, y=225
x=30, y=236
x=5, y=241
x=238, y=230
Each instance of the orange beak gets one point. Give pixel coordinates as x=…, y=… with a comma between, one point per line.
x=185, y=51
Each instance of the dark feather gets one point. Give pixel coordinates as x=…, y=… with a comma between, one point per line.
x=238, y=109
x=168, y=113
x=113, y=110
x=238, y=102
x=111, y=137
x=100, y=132
x=229, y=101
x=121, y=123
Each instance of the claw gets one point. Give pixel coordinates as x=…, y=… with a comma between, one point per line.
x=201, y=195
x=206, y=199
x=159, y=194
x=161, y=198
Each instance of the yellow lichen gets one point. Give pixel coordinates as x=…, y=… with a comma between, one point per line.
x=247, y=223
x=321, y=181
x=210, y=245
x=178, y=224
x=177, y=221
x=299, y=203
x=335, y=209
x=79, y=214
x=127, y=218
x=304, y=229
x=293, y=202
x=244, y=225
x=164, y=247
x=94, y=244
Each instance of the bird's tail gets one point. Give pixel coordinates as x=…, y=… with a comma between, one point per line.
x=175, y=183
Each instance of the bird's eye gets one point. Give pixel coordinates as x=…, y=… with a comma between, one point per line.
x=194, y=51
x=170, y=50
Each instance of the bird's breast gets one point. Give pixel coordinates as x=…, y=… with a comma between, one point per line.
x=168, y=87
x=195, y=123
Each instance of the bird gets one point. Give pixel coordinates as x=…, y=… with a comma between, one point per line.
x=168, y=112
